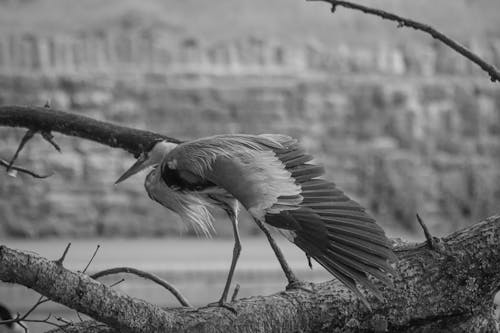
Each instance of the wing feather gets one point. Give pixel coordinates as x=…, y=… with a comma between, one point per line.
x=244, y=165
x=274, y=179
x=193, y=208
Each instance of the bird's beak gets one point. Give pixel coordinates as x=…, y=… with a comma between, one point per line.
x=139, y=165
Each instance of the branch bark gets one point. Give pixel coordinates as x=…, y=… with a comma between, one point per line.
x=44, y=120
x=448, y=289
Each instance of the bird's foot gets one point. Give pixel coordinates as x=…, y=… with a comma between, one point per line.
x=303, y=285
x=222, y=304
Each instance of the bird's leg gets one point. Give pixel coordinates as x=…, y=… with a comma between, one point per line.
x=233, y=216
x=292, y=279
x=232, y=209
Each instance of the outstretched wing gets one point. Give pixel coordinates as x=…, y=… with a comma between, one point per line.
x=244, y=165
x=333, y=229
x=270, y=175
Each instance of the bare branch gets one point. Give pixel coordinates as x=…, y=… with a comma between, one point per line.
x=428, y=236
x=80, y=292
x=24, y=318
x=61, y=260
x=27, y=136
x=145, y=275
x=492, y=71
x=91, y=258
x=23, y=170
x=40, y=301
x=48, y=120
x=114, y=284
x=50, y=139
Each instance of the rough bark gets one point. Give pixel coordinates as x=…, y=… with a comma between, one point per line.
x=446, y=289
x=41, y=119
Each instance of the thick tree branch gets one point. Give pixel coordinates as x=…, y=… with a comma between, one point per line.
x=450, y=290
x=80, y=292
x=44, y=120
x=492, y=71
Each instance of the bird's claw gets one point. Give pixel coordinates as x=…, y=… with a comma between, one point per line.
x=224, y=305
x=302, y=285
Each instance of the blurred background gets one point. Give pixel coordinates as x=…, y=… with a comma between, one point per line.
x=402, y=123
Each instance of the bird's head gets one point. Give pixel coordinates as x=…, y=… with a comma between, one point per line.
x=149, y=158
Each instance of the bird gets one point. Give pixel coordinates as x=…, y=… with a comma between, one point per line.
x=10, y=327
x=276, y=181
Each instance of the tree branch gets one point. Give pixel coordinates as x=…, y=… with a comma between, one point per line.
x=44, y=120
x=145, y=275
x=492, y=71
x=80, y=292
x=33, y=174
x=453, y=289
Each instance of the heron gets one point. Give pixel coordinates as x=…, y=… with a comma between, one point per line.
x=276, y=181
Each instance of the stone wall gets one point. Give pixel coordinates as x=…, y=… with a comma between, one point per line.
x=145, y=51
x=403, y=128
x=398, y=145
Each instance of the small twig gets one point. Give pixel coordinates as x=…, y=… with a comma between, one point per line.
x=309, y=262
x=50, y=139
x=61, y=260
x=145, y=275
x=116, y=283
x=45, y=321
x=430, y=240
x=92, y=258
x=85, y=270
x=24, y=327
x=19, y=319
x=48, y=322
x=27, y=136
x=235, y=293
x=40, y=301
x=22, y=170
x=492, y=71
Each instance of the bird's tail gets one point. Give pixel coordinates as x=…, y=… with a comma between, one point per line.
x=335, y=230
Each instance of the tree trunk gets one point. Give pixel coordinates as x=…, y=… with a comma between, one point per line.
x=446, y=289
